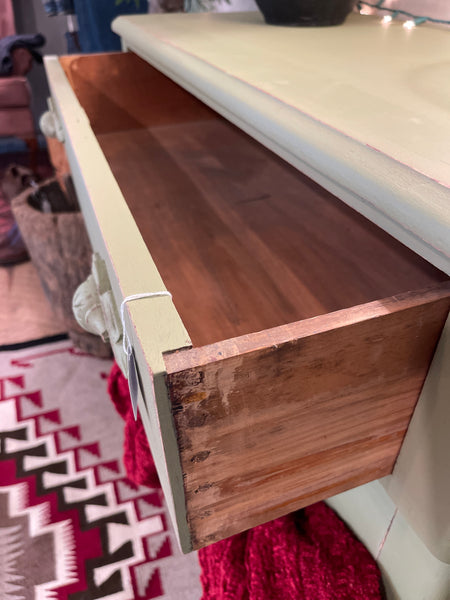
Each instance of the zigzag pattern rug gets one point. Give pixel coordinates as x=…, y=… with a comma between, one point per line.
x=72, y=527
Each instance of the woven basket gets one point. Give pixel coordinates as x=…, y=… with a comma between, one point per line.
x=53, y=230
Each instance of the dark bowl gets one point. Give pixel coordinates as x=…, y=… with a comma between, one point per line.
x=305, y=13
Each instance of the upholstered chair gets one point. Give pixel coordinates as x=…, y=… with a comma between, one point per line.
x=16, y=118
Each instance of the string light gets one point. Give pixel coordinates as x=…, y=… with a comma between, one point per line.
x=411, y=22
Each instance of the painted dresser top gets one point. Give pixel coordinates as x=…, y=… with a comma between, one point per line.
x=363, y=108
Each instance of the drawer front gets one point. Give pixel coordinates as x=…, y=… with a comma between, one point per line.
x=154, y=326
x=253, y=427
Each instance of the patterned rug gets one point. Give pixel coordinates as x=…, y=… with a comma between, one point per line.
x=72, y=526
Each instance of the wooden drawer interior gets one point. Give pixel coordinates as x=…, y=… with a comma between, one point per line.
x=241, y=239
x=282, y=401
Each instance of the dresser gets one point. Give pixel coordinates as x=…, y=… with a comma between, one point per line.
x=269, y=210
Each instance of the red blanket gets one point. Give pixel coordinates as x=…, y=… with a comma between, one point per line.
x=307, y=555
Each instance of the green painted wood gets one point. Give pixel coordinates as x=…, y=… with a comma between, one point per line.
x=156, y=326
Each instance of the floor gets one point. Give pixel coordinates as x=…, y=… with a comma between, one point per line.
x=25, y=313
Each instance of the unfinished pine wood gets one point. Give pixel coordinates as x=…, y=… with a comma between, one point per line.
x=58, y=158
x=273, y=421
x=242, y=240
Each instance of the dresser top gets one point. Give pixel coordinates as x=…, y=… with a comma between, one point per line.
x=363, y=108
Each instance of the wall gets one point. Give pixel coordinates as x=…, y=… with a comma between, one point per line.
x=437, y=9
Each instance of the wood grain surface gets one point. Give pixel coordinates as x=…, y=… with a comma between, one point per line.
x=348, y=123
x=239, y=236
x=120, y=91
x=59, y=159
x=277, y=420
x=243, y=241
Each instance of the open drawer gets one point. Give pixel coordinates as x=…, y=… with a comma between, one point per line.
x=287, y=364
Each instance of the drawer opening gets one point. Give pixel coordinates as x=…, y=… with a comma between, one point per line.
x=242, y=240
x=310, y=340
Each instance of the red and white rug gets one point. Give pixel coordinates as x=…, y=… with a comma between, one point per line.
x=72, y=526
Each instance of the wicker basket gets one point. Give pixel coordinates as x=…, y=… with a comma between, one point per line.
x=53, y=229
